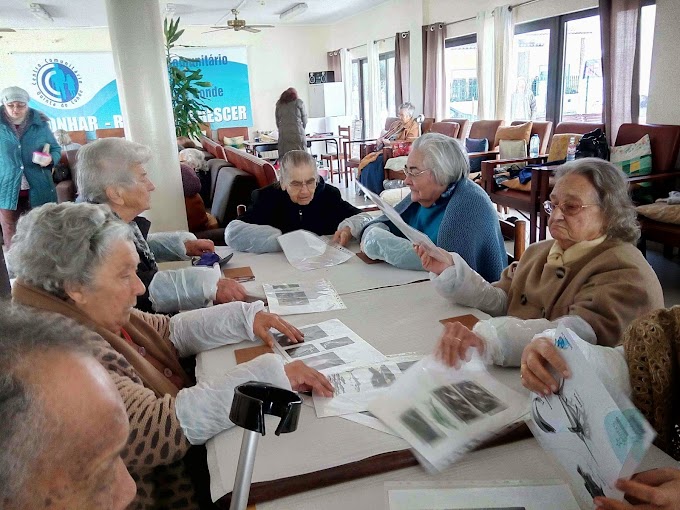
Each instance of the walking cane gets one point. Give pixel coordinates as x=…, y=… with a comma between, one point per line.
x=252, y=401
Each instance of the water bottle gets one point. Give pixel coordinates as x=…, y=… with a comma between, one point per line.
x=571, y=149
x=534, y=145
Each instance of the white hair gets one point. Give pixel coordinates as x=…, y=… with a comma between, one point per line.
x=193, y=157
x=444, y=156
x=295, y=159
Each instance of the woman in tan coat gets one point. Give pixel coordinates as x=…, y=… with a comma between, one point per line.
x=80, y=260
x=589, y=277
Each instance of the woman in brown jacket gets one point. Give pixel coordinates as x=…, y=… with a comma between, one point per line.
x=80, y=260
x=589, y=277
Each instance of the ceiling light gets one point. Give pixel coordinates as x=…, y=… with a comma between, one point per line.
x=39, y=12
x=293, y=11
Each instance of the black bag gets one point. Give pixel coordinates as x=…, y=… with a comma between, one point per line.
x=593, y=145
x=60, y=173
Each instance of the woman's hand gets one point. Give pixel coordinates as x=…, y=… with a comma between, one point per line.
x=265, y=321
x=343, y=236
x=656, y=489
x=454, y=344
x=432, y=264
x=304, y=378
x=536, y=358
x=199, y=247
x=47, y=163
x=229, y=290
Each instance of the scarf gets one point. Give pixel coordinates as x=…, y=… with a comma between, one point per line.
x=559, y=257
x=142, y=333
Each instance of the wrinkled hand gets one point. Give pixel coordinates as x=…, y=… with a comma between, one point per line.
x=47, y=163
x=304, y=378
x=454, y=343
x=199, y=247
x=656, y=489
x=430, y=263
x=229, y=290
x=536, y=358
x=343, y=236
x=264, y=321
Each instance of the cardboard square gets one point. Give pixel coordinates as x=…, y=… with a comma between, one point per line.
x=366, y=258
x=240, y=274
x=467, y=320
x=249, y=353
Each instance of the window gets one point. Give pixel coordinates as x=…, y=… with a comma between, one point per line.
x=387, y=80
x=529, y=81
x=461, y=77
x=647, y=16
x=360, y=91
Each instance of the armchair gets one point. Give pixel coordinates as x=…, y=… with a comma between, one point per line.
x=464, y=127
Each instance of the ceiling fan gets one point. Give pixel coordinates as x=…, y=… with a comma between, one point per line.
x=237, y=25
x=7, y=30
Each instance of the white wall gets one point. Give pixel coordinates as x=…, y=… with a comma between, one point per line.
x=664, y=105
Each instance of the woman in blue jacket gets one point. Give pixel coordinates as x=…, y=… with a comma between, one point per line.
x=23, y=184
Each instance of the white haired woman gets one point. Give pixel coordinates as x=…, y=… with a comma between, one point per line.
x=590, y=277
x=301, y=200
x=80, y=260
x=112, y=171
x=445, y=205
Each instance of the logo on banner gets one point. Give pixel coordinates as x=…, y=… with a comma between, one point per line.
x=58, y=82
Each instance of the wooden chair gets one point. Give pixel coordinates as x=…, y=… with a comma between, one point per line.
x=110, y=133
x=446, y=128
x=464, y=127
x=517, y=233
x=344, y=136
x=426, y=126
x=78, y=137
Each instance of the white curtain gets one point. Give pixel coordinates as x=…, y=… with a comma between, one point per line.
x=503, y=36
x=375, y=126
x=486, y=105
x=346, y=61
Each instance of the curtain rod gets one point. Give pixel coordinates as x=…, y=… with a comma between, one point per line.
x=376, y=41
x=521, y=4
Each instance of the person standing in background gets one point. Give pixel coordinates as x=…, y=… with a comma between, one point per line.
x=291, y=119
x=522, y=102
x=23, y=183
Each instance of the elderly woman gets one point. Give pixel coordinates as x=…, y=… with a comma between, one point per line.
x=111, y=171
x=590, y=277
x=300, y=201
x=444, y=204
x=291, y=120
x=64, y=140
x=23, y=183
x=80, y=260
x=371, y=167
x=192, y=161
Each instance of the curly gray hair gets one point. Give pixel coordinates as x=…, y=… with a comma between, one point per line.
x=59, y=243
x=410, y=109
x=611, y=186
x=193, y=157
x=444, y=156
x=294, y=159
x=108, y=162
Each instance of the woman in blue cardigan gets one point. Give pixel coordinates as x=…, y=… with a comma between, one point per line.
x=23, y=184
x=455, y=213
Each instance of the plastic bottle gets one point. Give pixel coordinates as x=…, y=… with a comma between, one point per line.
x=534, y=144
x=571, y=149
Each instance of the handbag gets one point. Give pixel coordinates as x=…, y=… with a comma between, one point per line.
x=401, y=149
x=593, y=145
x=60, y=173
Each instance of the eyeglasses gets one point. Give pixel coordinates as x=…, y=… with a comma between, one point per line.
x=568, y=208
x=413, y=173
x=310, y=184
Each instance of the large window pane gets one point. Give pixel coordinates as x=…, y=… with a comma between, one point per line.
x=461, y=79
x=364, y=91
x=646, y=40
x=391, y=103
x=582, y=71
x=356, y=91
x=529, y=85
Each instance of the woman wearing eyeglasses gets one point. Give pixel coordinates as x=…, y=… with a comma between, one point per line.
x=301, y=200
x=445, y=205
x=589, y=277
x=23, y=183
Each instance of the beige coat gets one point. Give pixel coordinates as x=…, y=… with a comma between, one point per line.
x=609, y=287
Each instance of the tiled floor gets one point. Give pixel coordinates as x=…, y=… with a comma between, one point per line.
x=668, y=270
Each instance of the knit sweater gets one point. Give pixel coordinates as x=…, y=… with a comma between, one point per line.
x=469, y=227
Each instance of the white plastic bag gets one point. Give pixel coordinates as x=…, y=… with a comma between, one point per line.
x=306, y=251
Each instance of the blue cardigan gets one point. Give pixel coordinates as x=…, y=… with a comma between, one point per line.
x=16, y=158
x=469, y=227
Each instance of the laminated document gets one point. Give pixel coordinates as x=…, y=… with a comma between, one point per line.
x=597, y=437
x=306, y=251
x=309, y=297
x=328, y=345
x=443, y=413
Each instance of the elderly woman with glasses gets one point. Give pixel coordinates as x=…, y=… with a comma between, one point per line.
x=590, y=277
x=445, y=205
x=80, y=261
x=301, y=200
x=25, y=182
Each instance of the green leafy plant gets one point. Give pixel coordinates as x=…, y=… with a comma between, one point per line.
x=185, y=84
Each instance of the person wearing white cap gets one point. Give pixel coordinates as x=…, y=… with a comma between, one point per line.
x=25, y=173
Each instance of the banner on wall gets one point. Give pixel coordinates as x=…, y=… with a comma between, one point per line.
x=77, y=91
